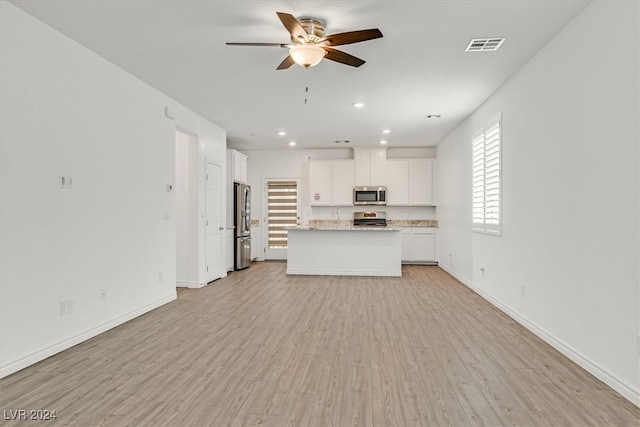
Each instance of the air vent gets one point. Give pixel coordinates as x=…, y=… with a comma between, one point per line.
x=484, y=45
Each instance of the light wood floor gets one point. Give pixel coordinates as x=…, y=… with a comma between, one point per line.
x=259, y=347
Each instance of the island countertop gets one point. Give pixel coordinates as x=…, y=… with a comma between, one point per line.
x=340, y=228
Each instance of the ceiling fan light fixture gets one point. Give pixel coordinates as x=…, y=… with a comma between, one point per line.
x=307, y=55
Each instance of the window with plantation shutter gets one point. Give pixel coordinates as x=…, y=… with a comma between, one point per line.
x=282, y=207
x=487, y=174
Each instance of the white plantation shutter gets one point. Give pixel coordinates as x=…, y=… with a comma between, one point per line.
x=478, y=178
x=486, y=159
x=282, y=211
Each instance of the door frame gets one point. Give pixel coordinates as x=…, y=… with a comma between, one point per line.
x=209, y=250
x=187, y=268
x=275, y=254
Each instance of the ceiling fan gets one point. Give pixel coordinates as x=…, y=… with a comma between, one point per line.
x=309, y=44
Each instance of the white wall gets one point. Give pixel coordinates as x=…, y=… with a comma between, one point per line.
x=65, y=110
x=571, y=192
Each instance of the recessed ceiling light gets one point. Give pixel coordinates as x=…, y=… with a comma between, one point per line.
x=358, y=104
x=385, y=131
x=383, y=142
x=282, y=133
x=292, y=143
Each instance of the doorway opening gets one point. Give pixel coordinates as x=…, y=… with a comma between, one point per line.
x=186, y=212
x=281, y=207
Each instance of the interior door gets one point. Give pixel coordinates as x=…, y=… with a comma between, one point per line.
x=213, y=227
x=281, y=211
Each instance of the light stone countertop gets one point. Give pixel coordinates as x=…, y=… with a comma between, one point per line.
x=392, y=223
x=341, y=228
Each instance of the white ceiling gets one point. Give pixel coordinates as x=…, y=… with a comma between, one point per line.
x=418, y=68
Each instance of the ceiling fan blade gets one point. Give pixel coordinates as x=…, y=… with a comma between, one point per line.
x=293, y=26
x=288, y=62
x=258, y=44
x=351, y=37
x=342, y=57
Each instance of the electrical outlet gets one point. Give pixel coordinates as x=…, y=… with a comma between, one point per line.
x=160, y=277
x=70, y=305
x=523, y=290
x=103, y=294
x=63, y=307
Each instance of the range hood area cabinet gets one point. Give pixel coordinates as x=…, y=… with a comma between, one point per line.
x=370, y=166
x=410, y=182
x=331, y=182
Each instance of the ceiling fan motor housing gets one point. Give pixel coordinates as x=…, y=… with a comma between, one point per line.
x=314, y=27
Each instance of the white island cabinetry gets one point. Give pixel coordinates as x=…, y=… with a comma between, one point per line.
x=344, y=251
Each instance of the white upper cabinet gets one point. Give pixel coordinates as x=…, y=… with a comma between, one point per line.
x=370, y=166
x=397, y=182
x=421, y=182
x=331, y=182
x=320, y=187
x=410, y=182
x=238, y=164
x=342, y=182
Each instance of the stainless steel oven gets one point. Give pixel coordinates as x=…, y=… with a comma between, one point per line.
x=370, y=219
x=369, y=196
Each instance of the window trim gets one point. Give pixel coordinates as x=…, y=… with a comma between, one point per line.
x=479, y=220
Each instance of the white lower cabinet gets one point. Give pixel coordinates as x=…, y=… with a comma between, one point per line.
x=418, y=245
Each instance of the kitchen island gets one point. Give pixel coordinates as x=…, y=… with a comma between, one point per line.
x=344, y=251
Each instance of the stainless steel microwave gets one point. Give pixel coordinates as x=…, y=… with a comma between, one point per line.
x=372, y=196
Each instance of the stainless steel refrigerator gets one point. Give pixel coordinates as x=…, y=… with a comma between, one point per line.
x=242, y=226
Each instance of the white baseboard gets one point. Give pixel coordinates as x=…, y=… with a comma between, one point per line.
x=196, y=285
x=49, y=351
x=189, y=284
x=625, y=389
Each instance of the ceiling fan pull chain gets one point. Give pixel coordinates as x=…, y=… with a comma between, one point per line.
x=306, y=85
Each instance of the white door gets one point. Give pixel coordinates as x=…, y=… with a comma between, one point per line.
x=281, y=211
x=213, y=227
